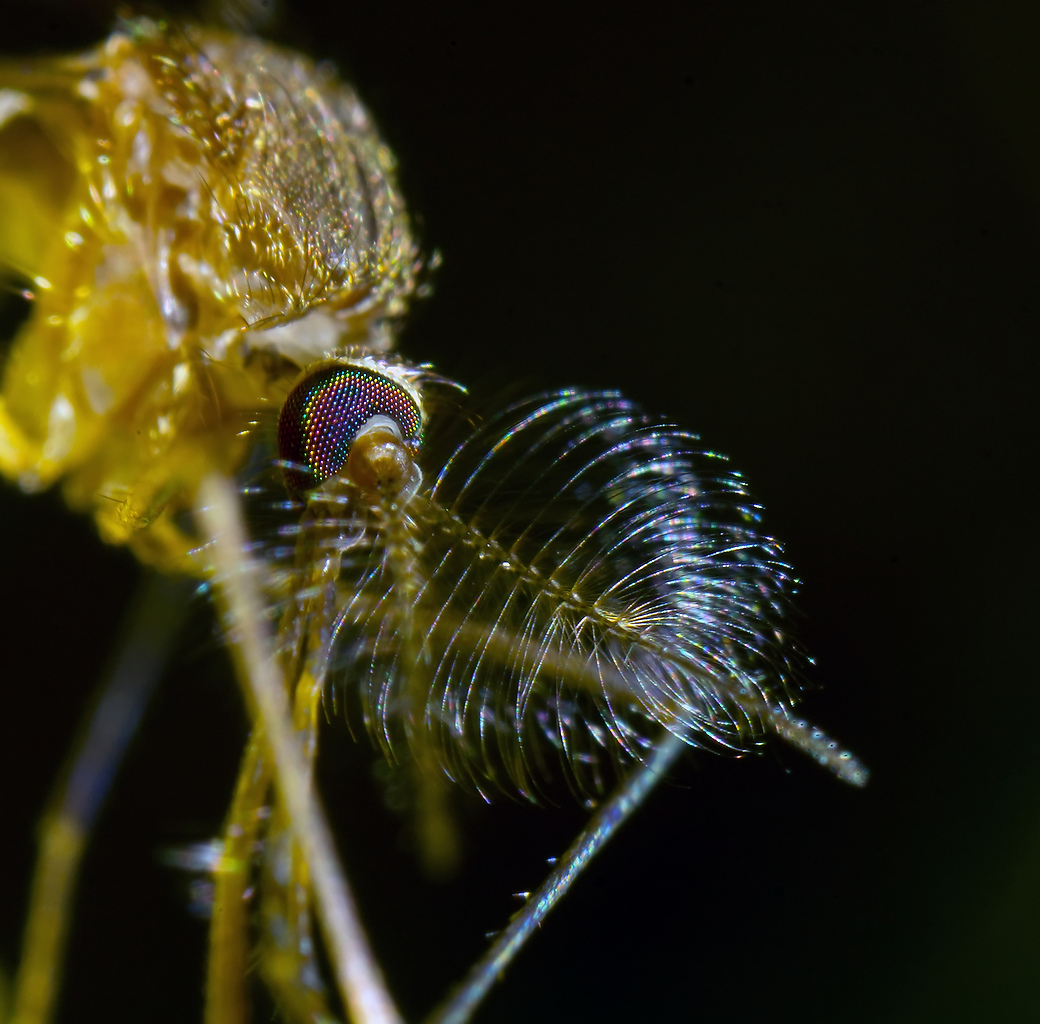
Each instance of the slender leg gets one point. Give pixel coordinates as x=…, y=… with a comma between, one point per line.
x=488, y=970
x=357, y=974
x=288, y=956
x=288, y=963
x=149, y=632
x=229, y=926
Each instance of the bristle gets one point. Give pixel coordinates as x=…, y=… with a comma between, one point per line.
x=580, y=576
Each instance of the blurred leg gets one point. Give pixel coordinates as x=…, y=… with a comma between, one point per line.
x=150, y=629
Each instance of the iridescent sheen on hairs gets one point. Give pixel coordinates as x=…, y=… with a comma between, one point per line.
x=580, y=578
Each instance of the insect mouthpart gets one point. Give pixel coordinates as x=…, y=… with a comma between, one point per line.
x=380, y=462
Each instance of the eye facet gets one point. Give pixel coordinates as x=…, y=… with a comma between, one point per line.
x=323, y=414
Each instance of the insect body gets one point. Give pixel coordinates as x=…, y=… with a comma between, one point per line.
x=214, y=214
x=565, y=587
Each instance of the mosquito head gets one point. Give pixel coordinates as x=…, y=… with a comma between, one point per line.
x=357, y=422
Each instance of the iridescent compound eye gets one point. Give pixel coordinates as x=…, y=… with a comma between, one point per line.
x=324, y=413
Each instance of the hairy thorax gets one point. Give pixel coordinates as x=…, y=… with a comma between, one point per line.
x=191, y=237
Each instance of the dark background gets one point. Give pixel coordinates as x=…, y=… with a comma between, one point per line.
x=812, y=234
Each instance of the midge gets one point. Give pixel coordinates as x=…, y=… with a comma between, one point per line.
x=218, y=258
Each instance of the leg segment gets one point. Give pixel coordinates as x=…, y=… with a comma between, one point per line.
x=149, y=632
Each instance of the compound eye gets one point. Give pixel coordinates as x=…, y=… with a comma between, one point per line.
x=323, y=414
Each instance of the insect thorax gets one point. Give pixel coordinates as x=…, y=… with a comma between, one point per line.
x=198, y=216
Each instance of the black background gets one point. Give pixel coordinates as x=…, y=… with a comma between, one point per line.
x=812, y=234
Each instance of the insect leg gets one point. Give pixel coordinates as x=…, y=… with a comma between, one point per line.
x=462, y=1003
x=229, y=927
x=287, y=955
x=357, y=973
x=289, y=961
x=149, y=632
